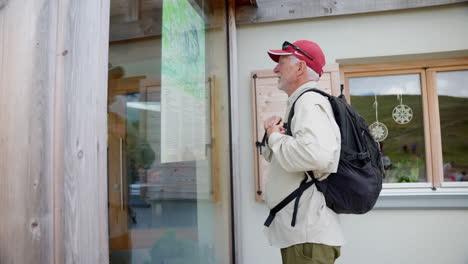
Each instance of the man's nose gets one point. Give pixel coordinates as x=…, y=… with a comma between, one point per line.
x=276, y=69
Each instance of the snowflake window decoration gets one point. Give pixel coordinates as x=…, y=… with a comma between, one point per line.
x=402, y=114
x=378, y=130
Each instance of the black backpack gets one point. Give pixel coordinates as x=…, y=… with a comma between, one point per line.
x=356, y=185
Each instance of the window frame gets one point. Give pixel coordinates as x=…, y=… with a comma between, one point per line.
x=437, y=145
x=431, y=116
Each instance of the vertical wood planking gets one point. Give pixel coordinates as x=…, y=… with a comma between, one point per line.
x=53, y=74
x=26, y=70
x=83, y=28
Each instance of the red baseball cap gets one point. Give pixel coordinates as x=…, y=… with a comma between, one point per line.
x=305, y=50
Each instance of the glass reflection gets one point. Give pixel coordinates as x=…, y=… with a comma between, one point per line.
x=452, y=88
x=162, y=206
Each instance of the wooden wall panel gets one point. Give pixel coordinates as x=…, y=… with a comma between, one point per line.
x=26, y=97
x=53, y=134
x=83, y=29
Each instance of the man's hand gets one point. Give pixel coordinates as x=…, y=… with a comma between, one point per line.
x=274, y=120
x=274, y=124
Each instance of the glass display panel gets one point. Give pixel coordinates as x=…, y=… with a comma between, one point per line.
x=166, y=203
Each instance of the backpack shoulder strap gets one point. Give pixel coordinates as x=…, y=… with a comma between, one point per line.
x=304, y=184
x=291, y=112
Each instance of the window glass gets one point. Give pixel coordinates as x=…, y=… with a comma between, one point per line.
x=392, y=108
x=167, y=204
x=452, y=89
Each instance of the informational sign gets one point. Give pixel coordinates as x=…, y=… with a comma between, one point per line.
x=183, y=84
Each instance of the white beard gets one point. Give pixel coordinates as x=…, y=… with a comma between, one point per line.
x=281, y=84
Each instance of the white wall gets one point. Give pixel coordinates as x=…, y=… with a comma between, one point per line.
x=396, y=236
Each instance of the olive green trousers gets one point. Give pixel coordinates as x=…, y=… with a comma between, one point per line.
x=310, y=253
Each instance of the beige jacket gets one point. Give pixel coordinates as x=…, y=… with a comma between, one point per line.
x=315, y=146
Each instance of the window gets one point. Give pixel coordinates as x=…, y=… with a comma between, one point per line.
x=418, y=111
x=451, y=101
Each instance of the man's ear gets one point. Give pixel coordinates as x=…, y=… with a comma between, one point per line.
x=302, y=69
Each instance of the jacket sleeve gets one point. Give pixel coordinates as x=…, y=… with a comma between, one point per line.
x=267, y=153
x=314, y=143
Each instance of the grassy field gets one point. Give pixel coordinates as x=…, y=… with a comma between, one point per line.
x=405, y=143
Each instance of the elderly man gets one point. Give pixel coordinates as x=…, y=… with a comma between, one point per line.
x=311, y=233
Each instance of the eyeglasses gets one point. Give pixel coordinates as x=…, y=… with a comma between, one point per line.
x=286, y=43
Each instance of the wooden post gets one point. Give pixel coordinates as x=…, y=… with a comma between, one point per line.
x=26, y=98
x=53, y=140
x=81, y=119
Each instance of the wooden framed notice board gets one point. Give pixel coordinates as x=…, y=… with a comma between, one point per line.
x=267, y=101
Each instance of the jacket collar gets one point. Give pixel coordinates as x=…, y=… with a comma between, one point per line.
x=300, y=90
